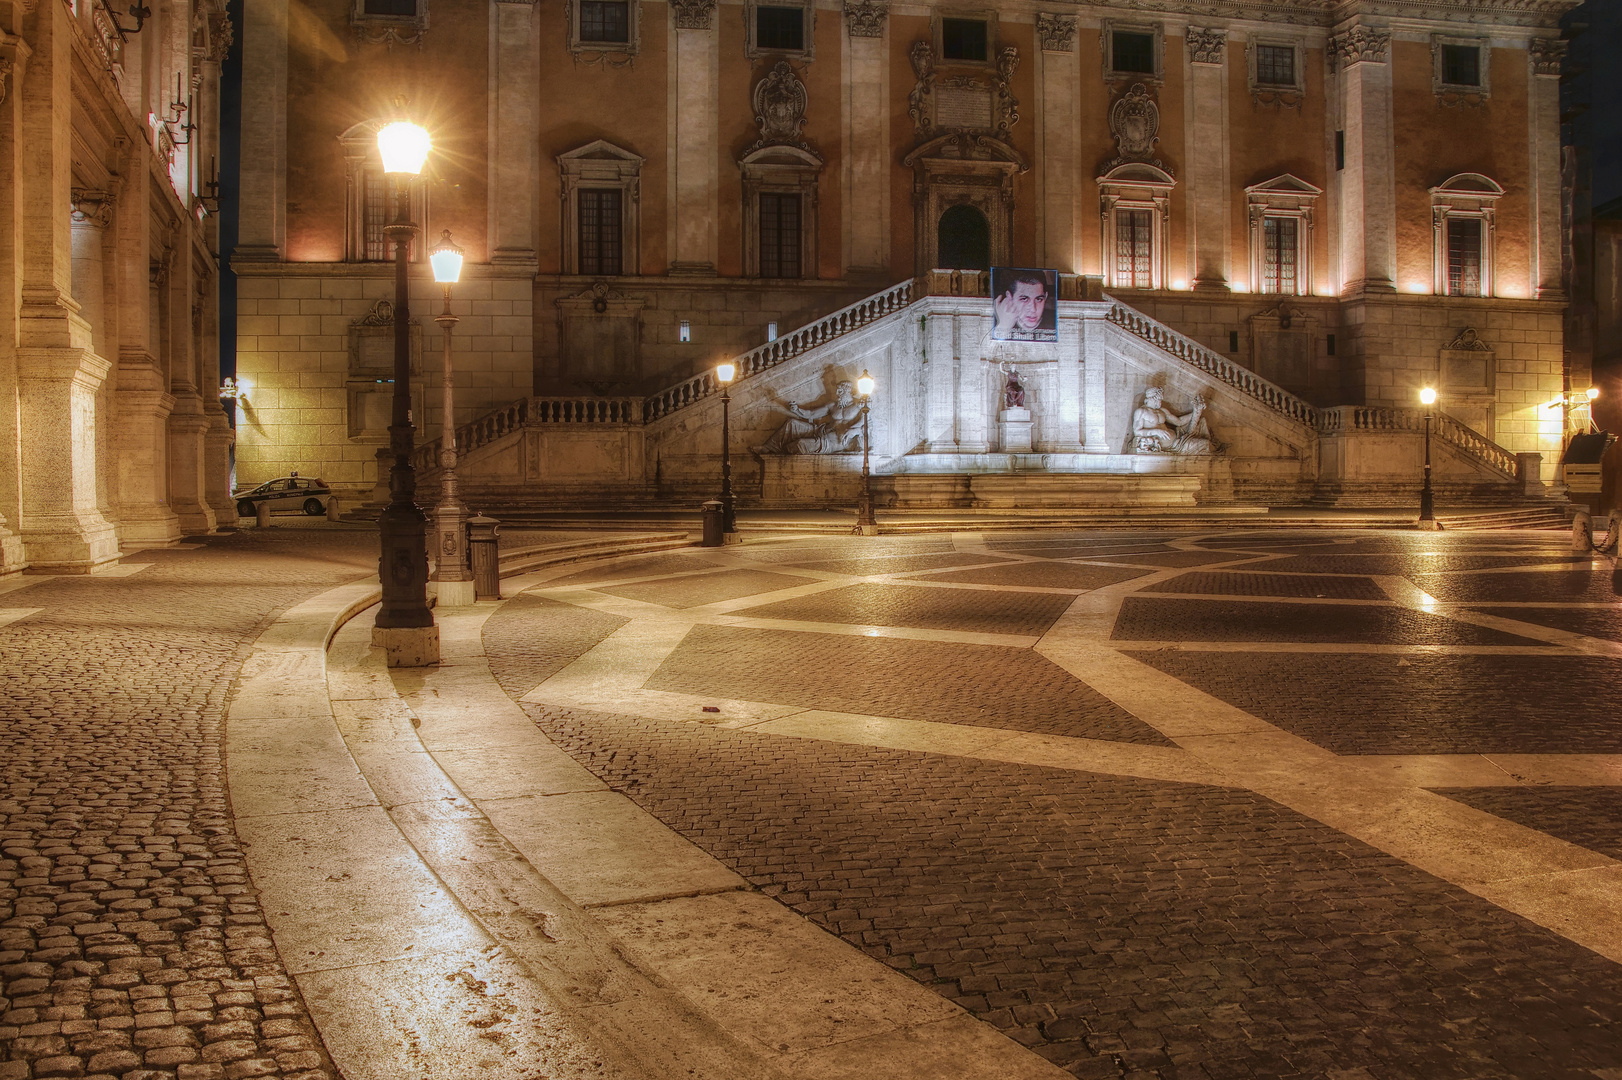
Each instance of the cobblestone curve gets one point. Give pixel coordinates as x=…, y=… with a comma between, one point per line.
x=132, y=943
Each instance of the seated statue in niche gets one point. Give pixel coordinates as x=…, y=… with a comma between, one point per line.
x=1013, y=393
x=835, y=428
x=1157, y=429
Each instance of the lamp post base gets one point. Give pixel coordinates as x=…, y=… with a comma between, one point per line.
x=1429, y=525
x=868, y=530
x=449, y=594
x=408, y=646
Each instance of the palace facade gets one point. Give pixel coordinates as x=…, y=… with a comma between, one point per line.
x=112, y=433
x=1339, y=201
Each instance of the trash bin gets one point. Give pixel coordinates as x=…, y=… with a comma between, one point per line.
x=481, y=549
x=713, y=524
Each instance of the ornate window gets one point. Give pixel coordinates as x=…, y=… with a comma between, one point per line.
x=599, y=192
x=1462, y=218
x=1459, y=69
x=968, y=37
x=780, y=173
x=1135, y=202
x=389, y=22
x=603, y=26
x=370, y=202
x=1133, y=52
x=1281, y=222
x=779, y=226
x=778, y=28
x=1277, y=70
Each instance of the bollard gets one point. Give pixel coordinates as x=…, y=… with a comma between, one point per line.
x=482, y=554
x=261, y=513
x=1582, y=533
x=713, y=524
x=332, y=508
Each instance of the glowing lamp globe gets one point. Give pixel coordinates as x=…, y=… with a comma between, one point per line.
x=1592, y=392
x=1427, y=396
x=726, y=372
x=864, y=384
x=404, y=147
x=446, y=259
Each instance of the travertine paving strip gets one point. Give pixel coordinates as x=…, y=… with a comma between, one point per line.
x=131, y=937
x=1590, y=816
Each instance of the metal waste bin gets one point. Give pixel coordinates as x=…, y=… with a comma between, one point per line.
x=481, y=549
x=713, y=524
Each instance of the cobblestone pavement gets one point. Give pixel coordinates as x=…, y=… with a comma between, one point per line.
x=1444, y=704
x=131, y=939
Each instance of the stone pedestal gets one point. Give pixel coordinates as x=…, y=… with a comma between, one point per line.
x=1014, y=431
x=408, y=646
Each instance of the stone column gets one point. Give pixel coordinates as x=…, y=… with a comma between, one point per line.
x=1206, y=147
x=92, y=214
x=1069, y=438
x=14, y=54
x=1367, y=184
x=940, y=405
x=867, y=138
x=1057, y=134
x=1543, y=110
x=515, y=83
x=217, y=444
x=262, y=221
x=58, y=373
x=188, y=420
x=694, y=137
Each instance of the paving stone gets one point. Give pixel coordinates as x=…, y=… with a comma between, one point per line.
x=1589, y=816
x=1603, y=623
x=1406, y=564
x=705, y=588
x=897, y=564
x=982, y=685
x=874, y=604
x=1144, y=618
x=1247, y=583
x=1048, y=575
x=1178, y=928
x=1174, y=558
x=643, y=566
x=1383, y=704
x=531, y=638
x=1575, y=586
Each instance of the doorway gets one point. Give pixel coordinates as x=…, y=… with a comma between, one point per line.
x=963, y=240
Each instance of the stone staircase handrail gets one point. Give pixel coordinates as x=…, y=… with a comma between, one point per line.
x=1212, y=363
x=502, y=421
x=1460, y=436
x=786, y=347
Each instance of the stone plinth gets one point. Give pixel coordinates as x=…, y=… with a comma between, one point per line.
x=408, y=646
x=1014, y=431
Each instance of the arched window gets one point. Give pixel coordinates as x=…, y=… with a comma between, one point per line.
x=963, y=239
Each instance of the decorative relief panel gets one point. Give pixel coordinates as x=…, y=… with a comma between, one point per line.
x=693, y=14
x=1207, y=45
x=1134, y=121
x=779, y=100
x=980, y=104
x=865, y=18
x=1057, y=32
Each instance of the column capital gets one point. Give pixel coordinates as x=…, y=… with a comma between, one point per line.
x=1058, y=32
x=865, y=18
x=693, y=14
x=1360, y=45
x=93, y=207
x=1547, y=54
x=1207, y=45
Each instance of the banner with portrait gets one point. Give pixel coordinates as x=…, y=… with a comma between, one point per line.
x=1025, y=304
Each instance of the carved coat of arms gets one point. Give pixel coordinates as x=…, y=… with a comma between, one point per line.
x=780, y=102
x=1135, y=123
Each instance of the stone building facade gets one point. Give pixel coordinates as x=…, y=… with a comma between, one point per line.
x=112, y=433
x=1350, y=198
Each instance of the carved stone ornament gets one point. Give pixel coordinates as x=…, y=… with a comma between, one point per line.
x=831, y=428
x=220, y=35
x=865, y=18
x=1135, y=122
x=1468, y=341
x=779, y=101
x=382, y=314
x=693, y=14
x=1207, y=46
x=5, y=72
x=972, y=104
x=1360, y=45
x=1157, y=429
x=1058, y=32
x=93, y=208
x=1547, y=54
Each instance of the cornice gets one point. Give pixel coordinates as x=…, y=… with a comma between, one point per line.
x=1545, y=13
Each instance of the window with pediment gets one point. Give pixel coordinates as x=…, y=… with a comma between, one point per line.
x=1281, y=227
x=1462, y=213
x=600, y=189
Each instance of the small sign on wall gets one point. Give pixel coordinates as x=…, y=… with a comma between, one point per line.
x=1026, y=304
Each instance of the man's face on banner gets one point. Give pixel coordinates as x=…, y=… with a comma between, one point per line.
x=1029, y=301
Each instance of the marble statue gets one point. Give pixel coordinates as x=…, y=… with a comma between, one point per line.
x=1013, y=393
x=1157, y=429
x=835, y=428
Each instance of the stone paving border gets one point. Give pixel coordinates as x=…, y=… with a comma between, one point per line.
x=415, y=928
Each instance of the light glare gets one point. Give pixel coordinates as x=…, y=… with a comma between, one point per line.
x=404, y=147
x=725, y=372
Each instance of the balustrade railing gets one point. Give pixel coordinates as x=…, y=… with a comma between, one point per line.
x=1344, y=418
x=1212, y=363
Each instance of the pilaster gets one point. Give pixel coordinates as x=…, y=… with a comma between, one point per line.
x=940, y=415
x=14, y=53
x=1058, y=131
x=1095, y=333
x=1367, y=184
x=1070, y=437
x=1206, y=148
x=217, y=444
x=1543, y=112
x=188, y=427
x=262, y=214
x=973, y=402
x=514, y=114
x=694, y=137
x=867, y=137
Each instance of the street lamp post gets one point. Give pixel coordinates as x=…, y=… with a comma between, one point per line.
x=724, y=374
x=1427, y=500
x=866, y=523
x=405, y=626
x=450, y=517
